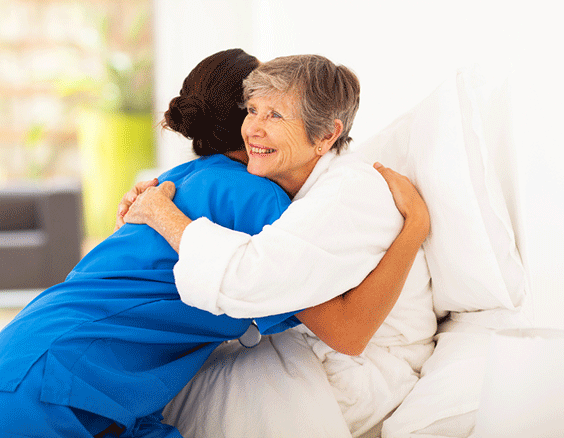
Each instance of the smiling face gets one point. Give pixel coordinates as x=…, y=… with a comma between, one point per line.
x=276, y=141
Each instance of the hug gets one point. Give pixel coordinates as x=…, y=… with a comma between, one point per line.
x=276, y=226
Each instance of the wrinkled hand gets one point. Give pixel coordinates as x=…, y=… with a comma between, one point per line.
x=147, y=204
x=408, y=200
x=129, y=198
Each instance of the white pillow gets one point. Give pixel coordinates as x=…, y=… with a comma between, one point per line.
x=275, y=389
x=440, y=145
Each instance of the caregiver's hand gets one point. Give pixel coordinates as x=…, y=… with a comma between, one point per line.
x=408, y=200
x=129, y=198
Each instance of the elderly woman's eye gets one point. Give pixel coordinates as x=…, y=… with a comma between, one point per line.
x=251, y=110
x=276, y=115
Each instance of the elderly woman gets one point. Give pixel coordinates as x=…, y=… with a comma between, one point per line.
x=339, y=226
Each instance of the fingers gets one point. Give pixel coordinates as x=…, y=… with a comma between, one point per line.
x=119, y=222
x=387, y=173
x=143, y=185
x=132, y=195
x=405, y=194
x=123, y=208
x=382, y=169
x=139, y=188
x=126, y=201
x=129, y=198
x=168, y=188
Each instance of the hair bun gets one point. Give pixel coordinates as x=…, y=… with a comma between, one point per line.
x=174, y=116
x=188, y=115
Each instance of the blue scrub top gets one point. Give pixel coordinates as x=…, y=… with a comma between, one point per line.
x=118, y=341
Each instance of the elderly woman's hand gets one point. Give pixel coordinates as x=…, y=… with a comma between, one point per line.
x=148, y=204
x=129, y=198
x=408, y=200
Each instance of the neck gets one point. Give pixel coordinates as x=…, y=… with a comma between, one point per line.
x=294, y=182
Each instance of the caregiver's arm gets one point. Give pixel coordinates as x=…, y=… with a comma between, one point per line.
x=347, y=322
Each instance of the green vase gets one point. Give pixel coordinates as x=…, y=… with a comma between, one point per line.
x=114, y=147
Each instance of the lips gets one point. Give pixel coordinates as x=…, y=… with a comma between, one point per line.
x=259, y=150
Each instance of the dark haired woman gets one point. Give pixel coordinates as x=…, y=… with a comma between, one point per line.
x=103, y=352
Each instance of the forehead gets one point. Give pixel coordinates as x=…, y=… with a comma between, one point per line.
x=275, y=100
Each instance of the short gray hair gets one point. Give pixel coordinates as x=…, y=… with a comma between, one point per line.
x=325, y=92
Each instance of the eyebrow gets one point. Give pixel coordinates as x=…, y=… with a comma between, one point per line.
x=271, y=108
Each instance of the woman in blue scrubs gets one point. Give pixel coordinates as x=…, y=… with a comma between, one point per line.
x=102, y=353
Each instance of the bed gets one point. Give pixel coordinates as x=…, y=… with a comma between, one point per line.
x=456, y=146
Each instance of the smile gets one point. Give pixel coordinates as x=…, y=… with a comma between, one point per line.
x=261, y=150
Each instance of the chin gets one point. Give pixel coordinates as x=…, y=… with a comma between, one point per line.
x=255, y=170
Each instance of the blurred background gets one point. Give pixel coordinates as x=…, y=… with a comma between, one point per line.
x=83, y=85
x=76, y=127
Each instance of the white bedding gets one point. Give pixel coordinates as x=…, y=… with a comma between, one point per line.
x=444, y=401
x=281, y=389
x=370, y=386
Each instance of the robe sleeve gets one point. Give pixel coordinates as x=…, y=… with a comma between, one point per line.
x=323, y=245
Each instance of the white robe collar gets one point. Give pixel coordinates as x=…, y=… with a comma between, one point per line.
x=319, y=169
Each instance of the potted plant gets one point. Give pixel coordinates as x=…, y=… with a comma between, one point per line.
x=115, y=131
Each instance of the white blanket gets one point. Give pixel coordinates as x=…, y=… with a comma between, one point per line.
x=281, y=389
x=370, y=386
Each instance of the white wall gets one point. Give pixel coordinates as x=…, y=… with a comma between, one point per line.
x=401, y=51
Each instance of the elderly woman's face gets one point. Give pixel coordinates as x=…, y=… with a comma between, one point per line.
x=276, y=141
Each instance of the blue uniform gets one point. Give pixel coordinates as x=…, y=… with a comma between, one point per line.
x=113, y=342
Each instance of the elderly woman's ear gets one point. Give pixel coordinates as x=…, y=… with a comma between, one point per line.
x=326, y=143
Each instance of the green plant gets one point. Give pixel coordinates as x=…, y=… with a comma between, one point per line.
x=126, y=83
x=39, y=155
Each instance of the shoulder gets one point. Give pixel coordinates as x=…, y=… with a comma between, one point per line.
x=227, y=194
x=181, y=170
x=349, y=179
x=350, y=168
x=231, y=179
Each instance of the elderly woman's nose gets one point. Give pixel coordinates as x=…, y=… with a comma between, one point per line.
x=254, y=126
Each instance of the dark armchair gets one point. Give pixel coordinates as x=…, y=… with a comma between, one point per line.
x=40, y=235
